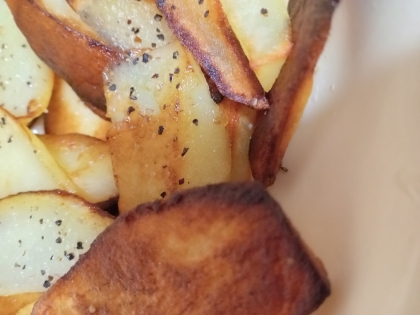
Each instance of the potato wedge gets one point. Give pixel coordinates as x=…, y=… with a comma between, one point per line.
x=126, y=24
x=263, y=29
x=25, y=164
x=67, y=113
x=87, y=161
x=66, y=44
x=202, y=27
x=310, y=22
x=168, y=133
x=26, y=82
x=222, y=249
x=11, y=304
x=43, y=234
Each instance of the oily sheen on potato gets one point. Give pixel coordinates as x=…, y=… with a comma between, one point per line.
x=87, y=161
x=221, y=249
x=25, y=81
x=43, y=234
x=168, y=133
x=25, y=163
x=67, y=113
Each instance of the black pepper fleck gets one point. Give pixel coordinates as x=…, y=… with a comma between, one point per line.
x=79, y=245
x=130, y=110
x=145, y=58
x=58, y=222
x=176, y=71
x=136, y=60
x=154, y=45
x=200, y=1
x=160, y=36
x=132, y=91
x=58, y=240
x=171, y=76
x=156, y=75
x=135, y=30
x=160, y=130
x=206, y=14
x=46, y=284
x=284, y=169
x=195, y=121
x=264, y=11
x=41, y=221
x=181, y=181
x=178, y=85
x=184, y=151
x=113, y=87
x=175, y=55
x=158, y=17
x=70, y=256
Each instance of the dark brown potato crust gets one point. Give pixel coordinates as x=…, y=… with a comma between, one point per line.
x=311, y=21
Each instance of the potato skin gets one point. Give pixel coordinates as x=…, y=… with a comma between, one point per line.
x=310, y=21
x=76, y=56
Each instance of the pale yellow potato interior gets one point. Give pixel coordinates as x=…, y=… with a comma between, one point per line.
x=43, y=235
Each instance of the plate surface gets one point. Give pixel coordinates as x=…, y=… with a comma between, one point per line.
x=353, y=186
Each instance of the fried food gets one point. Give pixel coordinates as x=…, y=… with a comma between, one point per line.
x=43, y=234
x=26, y=82
x=311, y=21
x=87, y=162
x=67, y=45
x=203, y=28
x=67, y=113
x=219, y=249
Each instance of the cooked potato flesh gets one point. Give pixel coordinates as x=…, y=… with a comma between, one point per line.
x=87, y=162
x=168, y=133
x=25, y=81
x=43, y=234
x=125, y=23
x=25, y=164
x=263, y=29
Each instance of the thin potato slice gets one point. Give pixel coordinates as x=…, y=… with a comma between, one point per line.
x=263, y=29
x=43, y=234
x=310, y=22
x=168, y=133
x=222, y=249
x=72, y=49
x=87, y=161
x=26, y=82
x=67, y=113
x=126, y=24
x=25, y=164
x=203, y=28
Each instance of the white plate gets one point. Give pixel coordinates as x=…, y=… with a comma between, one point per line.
x=353, y=186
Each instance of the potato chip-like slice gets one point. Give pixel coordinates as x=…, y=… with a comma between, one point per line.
x=221, y=249
x=67, y=113
x=311, y=22
x=25, y=81
x=203, y=28
x=66, y=44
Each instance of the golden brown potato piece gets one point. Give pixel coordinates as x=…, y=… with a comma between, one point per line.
x=26, y=310
x=87, y=161
x=202, y=27
x=67, y=113
x=66, y=44
x=221, y=249
x=311, y=22
x=11, y=304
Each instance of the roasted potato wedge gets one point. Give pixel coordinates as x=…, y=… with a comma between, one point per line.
x=25, y=163
x=66, y=44
x=222, y=249
x=67, y=113
x=43, y=234
x=263, y=29
x=87, y=161
x=310, y=22
x=26, y=82
x=203, y=28
x=168, y=133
